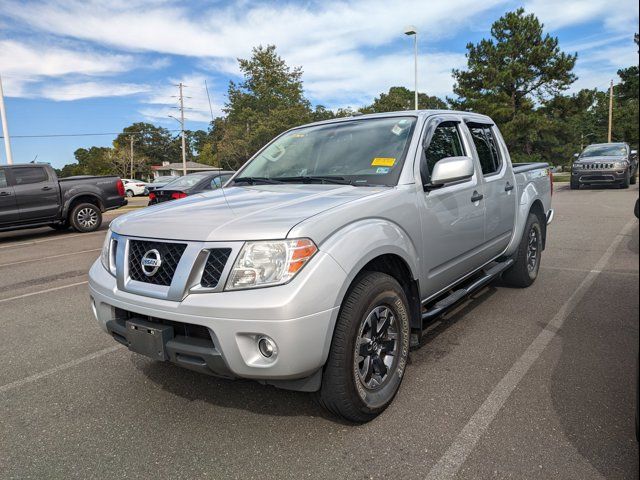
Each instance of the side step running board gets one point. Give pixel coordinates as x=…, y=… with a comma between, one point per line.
x=454, y=297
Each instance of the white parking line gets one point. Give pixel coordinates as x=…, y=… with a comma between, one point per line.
x=59, y=368
x=48, y=258
x=457, y=453
x=53, y=289
x=57, y=237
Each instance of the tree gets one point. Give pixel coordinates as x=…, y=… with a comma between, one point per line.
x=156, y=144
x=510, y=73
x=269, y=101
x=401, y=98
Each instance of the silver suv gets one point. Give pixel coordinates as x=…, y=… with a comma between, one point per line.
x=319, y=264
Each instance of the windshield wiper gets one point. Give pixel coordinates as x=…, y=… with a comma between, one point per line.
x=317, y=178
x=256, y=180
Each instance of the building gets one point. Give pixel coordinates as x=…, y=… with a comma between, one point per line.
x=175, y=169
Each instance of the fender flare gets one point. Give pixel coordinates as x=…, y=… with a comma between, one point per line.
x=68, y=202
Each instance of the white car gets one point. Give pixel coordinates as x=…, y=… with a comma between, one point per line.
x=133, y=187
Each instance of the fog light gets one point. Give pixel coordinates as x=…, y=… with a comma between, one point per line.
x=267, y=347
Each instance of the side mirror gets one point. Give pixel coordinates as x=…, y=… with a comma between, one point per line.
x=576, y=155
x=450, y=169
x=634, y=153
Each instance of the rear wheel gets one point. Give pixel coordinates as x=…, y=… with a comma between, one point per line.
x=369, y=350
x=130, y=193
x=85, y=217
x=524, y=271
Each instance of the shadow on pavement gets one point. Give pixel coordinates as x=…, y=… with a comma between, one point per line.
x=593, y=384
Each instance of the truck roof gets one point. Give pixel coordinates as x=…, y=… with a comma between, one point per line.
x=402, y=113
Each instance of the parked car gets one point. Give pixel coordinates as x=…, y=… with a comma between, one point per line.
x=190, y=184
x=158, y=182
x=605, y=163
x=326, y=256
x=133, y=187
x=31, y=195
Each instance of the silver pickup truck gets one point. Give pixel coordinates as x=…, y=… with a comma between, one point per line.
x=324, y=258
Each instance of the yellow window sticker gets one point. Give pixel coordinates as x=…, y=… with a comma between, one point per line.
x=383, y=162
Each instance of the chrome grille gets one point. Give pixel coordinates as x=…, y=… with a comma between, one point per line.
x=597, y=166
x=214, y=266
x=170, y=254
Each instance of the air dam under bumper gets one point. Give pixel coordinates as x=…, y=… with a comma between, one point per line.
x=595, y=177
x=236, y=321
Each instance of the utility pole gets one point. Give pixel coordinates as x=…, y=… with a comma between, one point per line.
x=131, y=146
x=5, y=127
x=610, y=111
x=184, y=150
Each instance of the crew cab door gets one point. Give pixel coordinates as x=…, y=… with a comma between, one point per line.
x=8, y=206
x=37, y=194
x=452, y=217
x=499, y=186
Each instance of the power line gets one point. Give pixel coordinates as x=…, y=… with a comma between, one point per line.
x=52, y=135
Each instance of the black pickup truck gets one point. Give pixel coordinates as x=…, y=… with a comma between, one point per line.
x=31, y=195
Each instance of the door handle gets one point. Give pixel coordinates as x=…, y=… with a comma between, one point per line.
x=476, y=197
x=5, y=194
x=46, y=188
x=508, y=187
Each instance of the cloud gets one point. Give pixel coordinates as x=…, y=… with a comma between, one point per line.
x=91, y=89
x=620, y=16
x=163, y=101
x=228, y=32
x=29, y=60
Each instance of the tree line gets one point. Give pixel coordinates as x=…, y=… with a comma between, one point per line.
x=518, y=76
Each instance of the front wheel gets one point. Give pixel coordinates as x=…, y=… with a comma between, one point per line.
x=85, y=217
x=524, y=271
x=369, y=350
x=627, y=180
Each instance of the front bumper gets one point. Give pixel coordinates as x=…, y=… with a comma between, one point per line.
x=599, y=176
x=299, y=317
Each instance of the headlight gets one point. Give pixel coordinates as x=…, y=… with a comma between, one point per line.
x=106, y=257
x=268, y=263
x=621, y=165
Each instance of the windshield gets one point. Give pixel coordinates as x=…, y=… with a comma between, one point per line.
x=187, y=181
x=366, y=151
x=604, y=151
x=164, y=179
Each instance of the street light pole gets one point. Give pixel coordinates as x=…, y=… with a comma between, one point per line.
x=412, y=31
x=5, y=127
x=131, y=145
x=184, y=151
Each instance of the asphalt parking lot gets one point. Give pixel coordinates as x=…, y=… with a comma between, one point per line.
x=534, y=383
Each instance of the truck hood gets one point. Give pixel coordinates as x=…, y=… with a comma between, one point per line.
x=238, y=213
x=607, y=159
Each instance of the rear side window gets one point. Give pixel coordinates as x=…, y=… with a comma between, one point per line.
x=3, y=179
x=487, y=148
x=26, y=175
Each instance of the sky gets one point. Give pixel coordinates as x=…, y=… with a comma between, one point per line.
x=89, y=66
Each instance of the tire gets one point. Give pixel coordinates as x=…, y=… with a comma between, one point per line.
x=627, y=180
x=522, y=273
x=130, y=193
x=574, y=185
x=85, y=217
x=359, y=390
x=633, y=179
